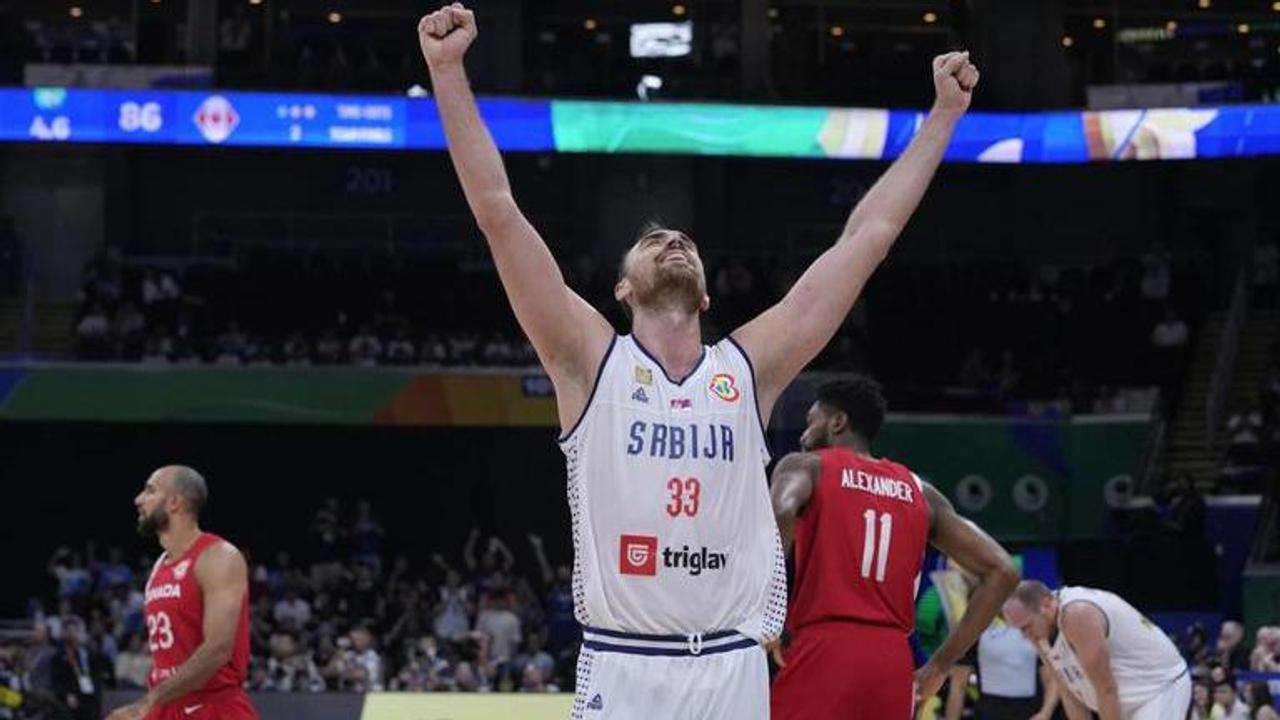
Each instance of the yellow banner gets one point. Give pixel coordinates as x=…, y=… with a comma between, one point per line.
x=460, y=706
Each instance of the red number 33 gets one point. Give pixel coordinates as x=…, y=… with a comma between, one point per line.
x=685, y=495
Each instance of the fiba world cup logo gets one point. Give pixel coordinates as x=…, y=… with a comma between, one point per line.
x=216, y=118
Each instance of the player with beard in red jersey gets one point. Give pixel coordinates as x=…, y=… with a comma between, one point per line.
x=860, y=525
x=197, y=609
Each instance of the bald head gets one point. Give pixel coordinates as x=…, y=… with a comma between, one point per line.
x=187, y=484
x=1031, y=610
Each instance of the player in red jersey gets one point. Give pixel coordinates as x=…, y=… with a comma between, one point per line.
x=197, y=609
x=860, y=525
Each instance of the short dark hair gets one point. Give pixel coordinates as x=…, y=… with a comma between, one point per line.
x=861, y=399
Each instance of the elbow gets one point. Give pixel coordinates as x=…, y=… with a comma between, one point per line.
x=220, y=653
x=493, y=211
x=1006, y=576
x=878, y=236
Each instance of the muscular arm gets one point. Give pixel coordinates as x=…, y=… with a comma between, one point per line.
x=975, y=551
x=569, y=335
x=1086, y=629
x=224, y=582
x=787, y=336
x=791, y=489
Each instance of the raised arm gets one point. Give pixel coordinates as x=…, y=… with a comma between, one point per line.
x=783, y=339
x=791, y=488
x=569, y=335
x=975, y=551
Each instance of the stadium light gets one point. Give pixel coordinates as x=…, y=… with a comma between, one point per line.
x=335, y=17
x=1068, y=41
x=930, y=17
x=1099, y=23
x=76, y=11
x=837, y=31
x=678, y=10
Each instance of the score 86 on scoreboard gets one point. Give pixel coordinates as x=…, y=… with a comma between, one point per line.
x=61, y=115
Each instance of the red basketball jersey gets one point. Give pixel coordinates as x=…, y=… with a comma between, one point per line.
x=175, y=620
x=859, y=544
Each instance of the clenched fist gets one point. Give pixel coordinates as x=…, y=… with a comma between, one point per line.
x=954, y=79
x=446, y=34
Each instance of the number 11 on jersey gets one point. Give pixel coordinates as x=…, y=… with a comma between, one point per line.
x=869, y=550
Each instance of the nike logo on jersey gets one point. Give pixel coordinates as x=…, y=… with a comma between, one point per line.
x=191, y=708
x=677, y=442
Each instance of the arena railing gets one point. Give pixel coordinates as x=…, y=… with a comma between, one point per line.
x=1224, y=365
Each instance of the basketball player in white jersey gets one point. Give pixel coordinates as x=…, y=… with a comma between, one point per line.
x=1106, y=657
x=678, y=569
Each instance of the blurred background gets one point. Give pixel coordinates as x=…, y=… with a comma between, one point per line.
x=230, y=238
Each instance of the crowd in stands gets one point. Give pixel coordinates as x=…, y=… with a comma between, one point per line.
x=350, y=617
x=995, y=334
x=1217, y=693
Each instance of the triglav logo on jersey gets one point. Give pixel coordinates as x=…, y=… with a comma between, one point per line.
x=722, y=387
x=639, y=555
x=180, y=570
x=640, y=396
x=216, y=118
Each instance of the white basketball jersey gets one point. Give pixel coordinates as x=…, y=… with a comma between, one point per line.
x=673, y=528
x=1144, y=661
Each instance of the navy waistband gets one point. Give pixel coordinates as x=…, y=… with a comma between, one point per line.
x=690, y=645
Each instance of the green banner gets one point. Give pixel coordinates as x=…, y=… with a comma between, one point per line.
x=1024, y=479
x=697, y=129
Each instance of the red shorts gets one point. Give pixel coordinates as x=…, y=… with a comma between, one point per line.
x=844, y=670
x=230, y=704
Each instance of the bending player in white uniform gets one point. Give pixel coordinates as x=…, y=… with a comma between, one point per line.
x=1105, y=655
x=678, y=569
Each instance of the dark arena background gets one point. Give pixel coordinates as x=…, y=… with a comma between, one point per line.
x=231, y=238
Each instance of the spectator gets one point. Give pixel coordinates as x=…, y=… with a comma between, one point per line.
x=292, y=612
x=1007, y=676
x=326, y=539
x=452, y=612
x=93, y=334
x=1261, y=704
x=290, y=668
x=361, y=663
x=1231, y=651
x=329, y=348
x=230, y=346
x=1202, y=707
x=400, y=350
x=1225, y=697
x=11, y=695
x=365, y=349
x=77, y=674
x=74, y=581
x=296, y=350
x=133, y=664
x=1171, y=333
x=435, y=351
x=501, y=625
x=366, y=536
x=1266, y=651
x=114, y=572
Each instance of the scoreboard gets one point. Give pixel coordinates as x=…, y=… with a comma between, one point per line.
x=389, y=122
x=250, y=119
